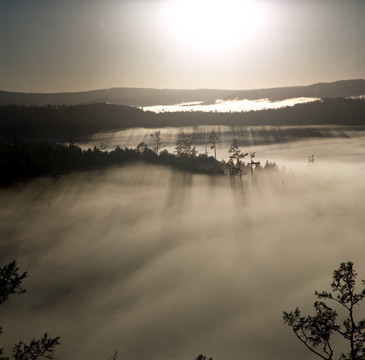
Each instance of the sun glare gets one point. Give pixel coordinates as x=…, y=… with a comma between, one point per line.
x=213, y=24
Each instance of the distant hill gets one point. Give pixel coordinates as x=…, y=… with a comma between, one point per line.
x=117, y=96
x=149, y=97
x=343, y=88
x=62, y=123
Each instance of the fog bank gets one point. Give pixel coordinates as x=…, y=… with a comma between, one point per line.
x=158, y=264
x=237, y=105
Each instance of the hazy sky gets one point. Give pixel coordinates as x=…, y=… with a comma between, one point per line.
x=51, y=46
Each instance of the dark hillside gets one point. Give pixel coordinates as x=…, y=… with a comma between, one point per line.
x=344, y=88
x=62, y=123
x=336, y=111
x=118, y=96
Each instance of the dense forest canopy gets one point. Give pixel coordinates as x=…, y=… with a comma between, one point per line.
x=63, y=122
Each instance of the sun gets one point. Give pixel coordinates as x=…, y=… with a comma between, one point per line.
x=213, y=25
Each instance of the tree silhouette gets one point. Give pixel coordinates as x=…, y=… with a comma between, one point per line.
x=203, y=357
x=142, y=148
x=10, y=283
x=253, y=163
x=158, y=143
x=236, y=154
x=317, y=331
x=37, y=349
x=213, y=138
x=311, y=159
x=184, y=145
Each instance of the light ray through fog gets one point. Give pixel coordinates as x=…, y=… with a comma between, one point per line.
x=288, y=146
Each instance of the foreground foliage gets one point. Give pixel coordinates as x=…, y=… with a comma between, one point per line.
x=317, y=332
x=43, y=348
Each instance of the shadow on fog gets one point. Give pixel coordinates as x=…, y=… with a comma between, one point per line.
x=179, y=189
x=155, y=263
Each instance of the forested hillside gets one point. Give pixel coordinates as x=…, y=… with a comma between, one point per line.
x=66, y=122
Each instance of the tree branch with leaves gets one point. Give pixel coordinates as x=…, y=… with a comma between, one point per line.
x=236, y=153
x=184, y=145
x=212, y=139
x=317, y=331
x=157, y=142
x=43, y=348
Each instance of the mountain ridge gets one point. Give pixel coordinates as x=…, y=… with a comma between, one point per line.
x=131, y=96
